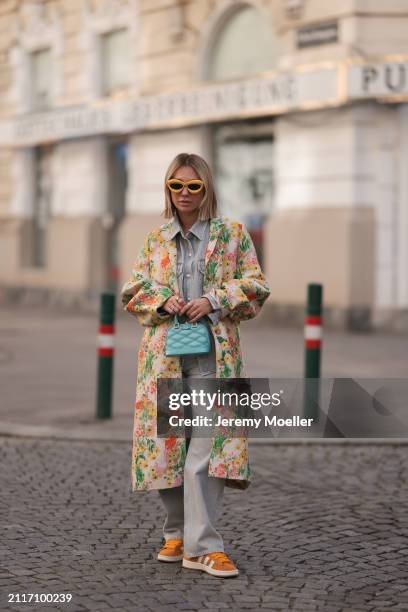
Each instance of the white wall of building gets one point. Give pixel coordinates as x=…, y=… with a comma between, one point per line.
x=314, y=161
x=149, y=157
x=81, y=178
x=21, y=205
x=402, y=171
x=355, y=157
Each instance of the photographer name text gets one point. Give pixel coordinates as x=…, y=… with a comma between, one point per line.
x=207, y=421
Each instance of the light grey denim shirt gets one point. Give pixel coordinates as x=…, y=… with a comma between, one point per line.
x=191, y=248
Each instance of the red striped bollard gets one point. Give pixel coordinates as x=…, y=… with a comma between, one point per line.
x=105, y=356
x=313, y=340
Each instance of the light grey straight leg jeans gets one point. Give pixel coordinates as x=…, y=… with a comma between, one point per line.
x=192, y=509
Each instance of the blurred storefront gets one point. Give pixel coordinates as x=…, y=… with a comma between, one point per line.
x=299, y=105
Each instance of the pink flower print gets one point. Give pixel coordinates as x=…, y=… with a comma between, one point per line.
x=220, y=471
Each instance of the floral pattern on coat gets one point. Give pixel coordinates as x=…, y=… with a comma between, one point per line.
x=233, y=275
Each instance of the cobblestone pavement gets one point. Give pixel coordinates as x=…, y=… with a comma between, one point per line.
x=321, y=528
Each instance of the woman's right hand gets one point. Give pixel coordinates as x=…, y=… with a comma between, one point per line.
x=174, y=304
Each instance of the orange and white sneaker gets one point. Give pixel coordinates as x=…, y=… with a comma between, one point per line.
x=171, y=551
x=216, y=563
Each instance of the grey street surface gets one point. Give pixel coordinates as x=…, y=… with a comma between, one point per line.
x=320, y=528
x=323, y=526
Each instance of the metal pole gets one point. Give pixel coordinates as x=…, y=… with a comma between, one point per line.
x=313, y=339
x=105, y=356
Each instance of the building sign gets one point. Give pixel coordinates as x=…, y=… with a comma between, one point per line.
x=217, y=102
x=71, y=123
x=322, y=34
x=378, y=80
x=270, y=95
x=306, y=87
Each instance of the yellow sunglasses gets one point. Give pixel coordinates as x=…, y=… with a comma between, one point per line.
x=193, y=186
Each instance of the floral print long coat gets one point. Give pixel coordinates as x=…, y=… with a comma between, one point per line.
x=233, y=275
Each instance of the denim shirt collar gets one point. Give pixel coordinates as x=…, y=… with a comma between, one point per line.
x=198, y=228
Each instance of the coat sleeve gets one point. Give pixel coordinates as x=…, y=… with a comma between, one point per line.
x=141, y=296
x=218, y=312
x=243, y=297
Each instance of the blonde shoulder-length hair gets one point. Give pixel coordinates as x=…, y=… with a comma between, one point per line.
x=208, y=206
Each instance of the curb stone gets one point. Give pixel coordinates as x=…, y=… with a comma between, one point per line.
x=95, y=434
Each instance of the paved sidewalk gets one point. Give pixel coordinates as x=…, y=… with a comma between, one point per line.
x=48, y=368
x=320, y=529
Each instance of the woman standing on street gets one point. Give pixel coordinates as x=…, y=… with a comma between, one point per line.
x=202, y=267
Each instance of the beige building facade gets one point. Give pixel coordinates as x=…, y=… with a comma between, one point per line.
x=300, y=106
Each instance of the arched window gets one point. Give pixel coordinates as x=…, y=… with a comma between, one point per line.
x=245, y=45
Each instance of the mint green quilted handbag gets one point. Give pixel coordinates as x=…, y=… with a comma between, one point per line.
x=187, y=339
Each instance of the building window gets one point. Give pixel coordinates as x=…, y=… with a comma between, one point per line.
x=41, y=205
x=41, y=79
x=246, y=45
x=115, y=61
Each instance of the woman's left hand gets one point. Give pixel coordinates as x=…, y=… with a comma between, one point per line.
x=196, y=309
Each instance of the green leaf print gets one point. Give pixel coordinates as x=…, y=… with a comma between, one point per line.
x=147, y=287
x=181, y=458
x=149, y=363
x=165, y=292
x=245, y=244
x=226, y=235
x=227, y=371
x=139, y=475
x=182, y=454
x=144, y=417
x=212, y=268
x=218, y=443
